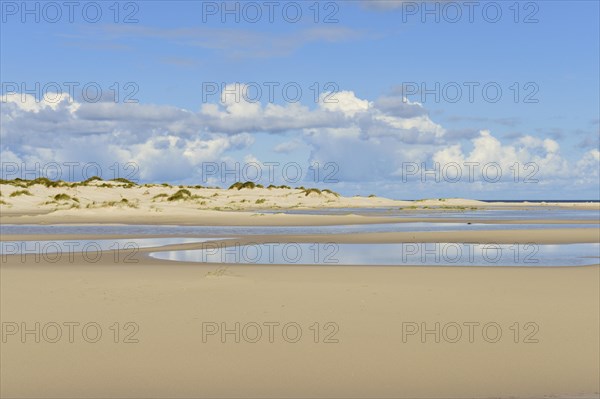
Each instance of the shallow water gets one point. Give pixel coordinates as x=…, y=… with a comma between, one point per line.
x=533, y=213
x=89, y=246
x=144, y=230
x=418, y=254
x=426, y=254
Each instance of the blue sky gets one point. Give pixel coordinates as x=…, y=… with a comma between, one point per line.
x=370, y=131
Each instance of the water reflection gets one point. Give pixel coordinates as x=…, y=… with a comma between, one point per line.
x=425, y=254
x=166, y=230
x=90, y=246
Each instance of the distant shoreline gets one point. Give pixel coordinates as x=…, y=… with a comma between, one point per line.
x=567, y=201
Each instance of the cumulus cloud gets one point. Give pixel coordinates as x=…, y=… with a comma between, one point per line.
x=288, y=146
x=366, y=140
x=587, y=168
x=543, y=155
x=167, y=142
x=383, y=119
x=400, y=107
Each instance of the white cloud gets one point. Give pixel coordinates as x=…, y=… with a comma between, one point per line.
x=587, y=168
x=288, y=146
x=367, y=140
x=345, y=102
x=544, y=153
x=28, y=103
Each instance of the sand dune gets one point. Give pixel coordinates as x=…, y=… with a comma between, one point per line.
x=146, y=204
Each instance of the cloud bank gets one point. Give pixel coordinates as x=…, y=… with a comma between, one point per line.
x=369, y=140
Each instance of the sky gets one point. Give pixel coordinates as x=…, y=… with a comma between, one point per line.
x=407, y=100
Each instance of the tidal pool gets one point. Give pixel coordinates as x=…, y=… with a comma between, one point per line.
x=418, y=254
x=24, y=247
x=533, y=213
x=171, y=230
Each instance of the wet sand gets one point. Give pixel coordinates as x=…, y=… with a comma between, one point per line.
x=556, y=354
x=366, y=342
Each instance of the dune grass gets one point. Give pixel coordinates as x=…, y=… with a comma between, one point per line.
x=123, y=202
x=330, y=192
x=182, y=194
x=124, y=180
x=44, y=181
x=26, y=183
x=308, y=191
x=20, y=192
x=248, y=185
x=91, y=179
x=64, y=197
x=240, y=185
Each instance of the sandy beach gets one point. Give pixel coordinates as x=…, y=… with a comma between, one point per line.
x=361, y=353
x=143, y=327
